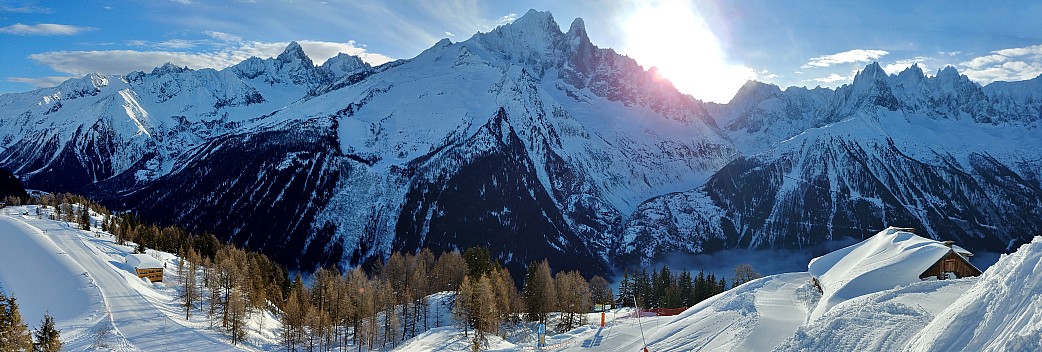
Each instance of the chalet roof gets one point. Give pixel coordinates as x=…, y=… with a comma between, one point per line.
x=143, y=261
x=890, y=258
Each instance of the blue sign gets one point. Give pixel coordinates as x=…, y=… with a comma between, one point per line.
x=542, y=328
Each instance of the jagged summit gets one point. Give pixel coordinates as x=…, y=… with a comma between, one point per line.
x=871, y=72
x=543, y=20
x=293, y=53
x=578, y=27
x=169, y=68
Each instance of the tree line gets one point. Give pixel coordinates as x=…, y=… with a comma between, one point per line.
x=665, y=289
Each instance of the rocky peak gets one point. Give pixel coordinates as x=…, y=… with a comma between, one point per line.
x=753, y=92
x=294, y=53
x=343, y=65
x=169, y=68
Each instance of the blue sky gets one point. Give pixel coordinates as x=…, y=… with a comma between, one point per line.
x=707, y=48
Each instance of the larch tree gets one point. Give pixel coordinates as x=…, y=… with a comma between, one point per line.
x=600, y=291
x=539, y=294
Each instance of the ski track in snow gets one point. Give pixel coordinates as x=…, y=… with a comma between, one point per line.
x=144, y=326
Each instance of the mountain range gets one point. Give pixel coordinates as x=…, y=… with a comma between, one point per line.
x=538, y=144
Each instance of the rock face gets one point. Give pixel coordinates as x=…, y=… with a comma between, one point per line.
x=532, y=141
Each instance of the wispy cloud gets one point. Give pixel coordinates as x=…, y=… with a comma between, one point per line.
x=24, y=9
x=44, y=29
x=224, y=37
x=1012, y=64
x=856, y=55
x=510, y=17
x=40, y=82
x=166, y=44
x=833, y=78
x=79, y=63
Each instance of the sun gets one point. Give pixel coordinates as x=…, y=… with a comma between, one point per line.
x=675, y=38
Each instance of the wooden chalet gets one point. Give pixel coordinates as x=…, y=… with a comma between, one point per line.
x=146, y=267
x=954, y=264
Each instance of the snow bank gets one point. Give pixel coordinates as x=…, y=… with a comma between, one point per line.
x=753, y=317
x=891, y=258
x=882, y=321
x=1001, y=312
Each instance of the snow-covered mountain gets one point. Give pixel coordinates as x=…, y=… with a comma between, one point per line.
x=534, y=142
x=527, y=139
x=938, y=153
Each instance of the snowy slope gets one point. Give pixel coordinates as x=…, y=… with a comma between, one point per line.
x=97, y=301
x=1002, y=311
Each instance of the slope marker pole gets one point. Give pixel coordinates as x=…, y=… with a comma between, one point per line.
x=639, y=324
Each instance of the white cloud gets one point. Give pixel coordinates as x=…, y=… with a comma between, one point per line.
x=856, y=55
x=1012, y=64
x=901, y=65
x=167, y=44
x=765, y=74
x=79, y=63
x=24, y=9
x=40, y=82
x=447, y=33
x=833, y=78
x=224, y=37
x=44, y=29
x=510, y=17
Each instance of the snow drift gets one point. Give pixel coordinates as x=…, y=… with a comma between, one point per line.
x=1001, y=312
x=873, y=300
x=891, y=258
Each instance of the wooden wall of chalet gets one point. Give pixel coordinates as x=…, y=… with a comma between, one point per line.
x=154, y=275
x=951, y=262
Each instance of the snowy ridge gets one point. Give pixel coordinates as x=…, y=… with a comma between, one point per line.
x=889, y=258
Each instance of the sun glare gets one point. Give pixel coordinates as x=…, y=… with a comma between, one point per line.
x=673, y=37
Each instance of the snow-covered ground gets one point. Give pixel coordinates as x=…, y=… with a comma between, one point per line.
x=872, y=301
x=79, y=277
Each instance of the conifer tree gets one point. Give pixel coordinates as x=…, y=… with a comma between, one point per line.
x=14, y=334
x=48, y=339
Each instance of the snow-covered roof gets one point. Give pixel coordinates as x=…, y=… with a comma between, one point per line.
x=888, y=259
x=143, y=261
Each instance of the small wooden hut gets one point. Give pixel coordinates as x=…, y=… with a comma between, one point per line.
x=146, y=266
